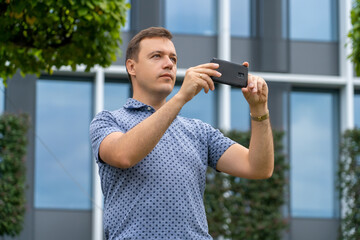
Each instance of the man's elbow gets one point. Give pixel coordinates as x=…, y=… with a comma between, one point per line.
x=120, y=161
x=124, y=164
x=269, y=174
x=265, y=174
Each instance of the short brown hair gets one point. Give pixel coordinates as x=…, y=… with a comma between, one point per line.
x=133, y=49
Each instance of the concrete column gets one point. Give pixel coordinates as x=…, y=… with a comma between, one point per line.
x=346, y=67
x=224, y=52
x=97, y=212
x=346, y=72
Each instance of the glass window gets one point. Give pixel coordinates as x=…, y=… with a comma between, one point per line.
x=313, y=20
x=116, y=95
x=2, y=96
x=313, y=154
x=357, y=109
x=191, y=17
x=240, y=18
x=202, y=106
x=128, y=17
x=63, y=159
x=240, y=113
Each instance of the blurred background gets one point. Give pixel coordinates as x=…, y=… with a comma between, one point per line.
x=297, y=46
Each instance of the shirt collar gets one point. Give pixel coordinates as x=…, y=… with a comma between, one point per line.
x=135, y=104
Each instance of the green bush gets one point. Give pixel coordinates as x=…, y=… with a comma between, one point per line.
x=13, y=143
x=247, y=209
x=349, y=184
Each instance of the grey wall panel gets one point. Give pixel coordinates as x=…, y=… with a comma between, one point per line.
x=245, y=49
x=194, y=50
x=126, y=37
x=273, y=46
x=276, y=104
x=314, y=58
x=146, y=14
x=267, y=56
x=21, y=98
x=274, y=55
x=314, y=229
x=62, y=224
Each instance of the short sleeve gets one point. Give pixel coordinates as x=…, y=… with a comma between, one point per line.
x=217, y=145
x=102, y=125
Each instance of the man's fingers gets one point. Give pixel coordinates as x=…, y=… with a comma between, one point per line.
x=205, y=75
x=208, y=80
x=207, y=65
x=260, y=85
x=252, y=83
x=203, y=83
x=207, y=71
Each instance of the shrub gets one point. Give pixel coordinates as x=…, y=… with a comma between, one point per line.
x=247, y=209
x=349, y=184
x=13, y=143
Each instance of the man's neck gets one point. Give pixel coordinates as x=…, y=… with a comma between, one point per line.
x=155, y=101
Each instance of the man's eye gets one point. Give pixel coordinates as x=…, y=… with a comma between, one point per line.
x=174, y=60
x=156, y=56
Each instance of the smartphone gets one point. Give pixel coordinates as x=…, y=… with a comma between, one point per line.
x=232, y=74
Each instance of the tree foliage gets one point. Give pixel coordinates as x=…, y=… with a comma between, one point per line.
x=248, y=209
x=41, y=34
x=13, y=141
x=354, y=35
x=349, y=184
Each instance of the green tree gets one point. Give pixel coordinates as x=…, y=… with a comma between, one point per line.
x=38, y=35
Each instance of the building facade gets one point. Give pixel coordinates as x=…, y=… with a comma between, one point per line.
x=297, y=46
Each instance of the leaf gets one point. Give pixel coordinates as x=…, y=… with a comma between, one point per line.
x=88, y=17
x=82, y=12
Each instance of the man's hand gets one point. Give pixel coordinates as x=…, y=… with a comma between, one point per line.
x=197, y=78
x=256, y=94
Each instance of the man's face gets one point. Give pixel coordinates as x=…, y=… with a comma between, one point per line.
x=155, y=70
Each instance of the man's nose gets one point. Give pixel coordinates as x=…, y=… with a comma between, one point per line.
x=168, y=63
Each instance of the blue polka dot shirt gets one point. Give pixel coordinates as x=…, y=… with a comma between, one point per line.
x=161, y=197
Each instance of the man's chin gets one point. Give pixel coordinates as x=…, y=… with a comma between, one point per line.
x=166, y=90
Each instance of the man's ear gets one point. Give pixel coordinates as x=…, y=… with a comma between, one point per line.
x=130, y=66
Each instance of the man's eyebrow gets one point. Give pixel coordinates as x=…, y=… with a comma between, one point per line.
x=161, y=52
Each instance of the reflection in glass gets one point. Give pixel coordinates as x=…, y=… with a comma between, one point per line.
x=240, y=18
x=63, y=165
x=313, y=20
x=357, y=110
x=202, y=106
x=116, y=95
x=313, y=144
x=191, y=17
x=240, y=112
x=2, y=96
x=128, y=17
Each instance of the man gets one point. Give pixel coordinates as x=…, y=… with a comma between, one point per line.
x=152, y=162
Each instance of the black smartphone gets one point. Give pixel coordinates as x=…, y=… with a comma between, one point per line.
x=232, y=74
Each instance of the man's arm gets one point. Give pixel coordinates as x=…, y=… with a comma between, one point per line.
x=124, y=150
x=257, y=162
